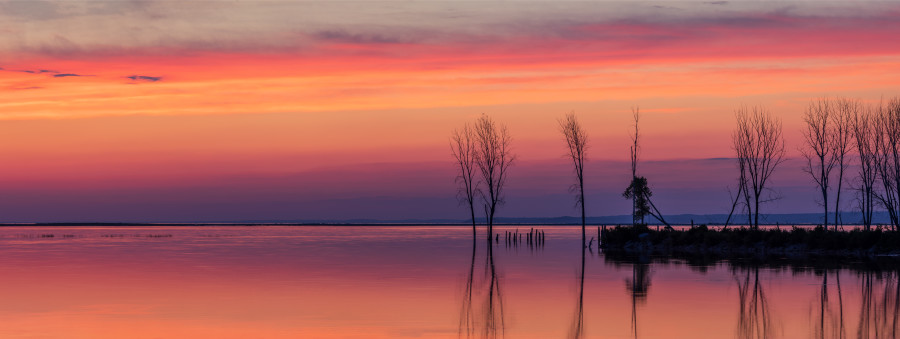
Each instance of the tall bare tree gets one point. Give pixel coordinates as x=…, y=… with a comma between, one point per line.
x=867, y=148
x=638, y=190
x=464, y=149
x=741, y=193
x=576, y=140
x=887, y=132
x=635, y=151
x=841, y=144
x=494, y=157
x=819, y=150
x=759, y=146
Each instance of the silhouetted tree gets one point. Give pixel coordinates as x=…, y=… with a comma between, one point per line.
x=868, y=150
x=576, y=140
x=819, y=150
x=759, y=146
x=640, y=193
x=741, y=191
x=841, y=143
x=887, y=160
x=494, y=157
x=639, y=190
x=635, y=150
x=464, y=149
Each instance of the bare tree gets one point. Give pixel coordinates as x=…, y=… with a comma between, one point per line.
x=735, y=199
x=638, y=190
x=759, y=146
x=887, y=160
x=576, y=140
x=463, y=148
x=741, y=192
x=841, y=143
x=494, y=157
x=867, y=148
x=635, y=150
x=819, y=149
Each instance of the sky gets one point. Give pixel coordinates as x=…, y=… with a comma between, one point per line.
x=168, y=111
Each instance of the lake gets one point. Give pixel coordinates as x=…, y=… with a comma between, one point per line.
x=415, y=282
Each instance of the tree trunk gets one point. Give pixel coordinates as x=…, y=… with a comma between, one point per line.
x=824, y=187
x=583, y=223
x=837, y=199
x=756, y=212
x=472, y=209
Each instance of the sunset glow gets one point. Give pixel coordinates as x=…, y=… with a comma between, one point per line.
x=247, y=110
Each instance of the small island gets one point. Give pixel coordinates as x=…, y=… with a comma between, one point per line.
x=787, y=241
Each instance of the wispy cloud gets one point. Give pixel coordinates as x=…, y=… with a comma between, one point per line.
x=40, y=71
x=34, y=10
x=142, y=27
x=143, y=78
x=66, y=75
x=343, y=36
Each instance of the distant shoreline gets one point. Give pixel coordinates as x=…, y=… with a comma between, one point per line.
x=188, y=224
x=713, y=220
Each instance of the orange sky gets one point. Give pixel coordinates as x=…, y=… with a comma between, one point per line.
x=169, y=93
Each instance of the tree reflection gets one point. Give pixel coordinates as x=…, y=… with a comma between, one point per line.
x=577, y=330
x=466, y=320
x=880, y=299
x=829, y=322
x=834, y=311
x=754, y=318
x=638, y=286
x=482, y=308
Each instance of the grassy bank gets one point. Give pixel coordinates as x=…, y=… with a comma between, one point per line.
x=793, y=240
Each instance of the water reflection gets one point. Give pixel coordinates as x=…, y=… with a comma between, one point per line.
x=577, y=329
x=466, y=319
x=637, y=285
x=754, y=315
x=879, y=305
x=426, y=282
x=482, y=307
x=829, y=317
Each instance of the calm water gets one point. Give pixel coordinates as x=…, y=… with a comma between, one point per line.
x=413, y=282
